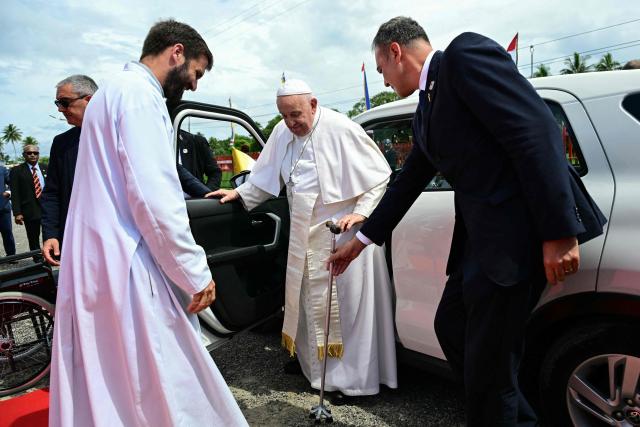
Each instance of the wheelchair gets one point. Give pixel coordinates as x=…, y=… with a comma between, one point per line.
x=27, y=305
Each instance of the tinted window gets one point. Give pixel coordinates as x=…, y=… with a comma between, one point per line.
x=571, y=147
x=395, y=139
x=631, y=103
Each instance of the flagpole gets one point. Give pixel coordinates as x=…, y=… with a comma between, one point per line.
x=531, y=49
x=517, y=43
x=233, y=131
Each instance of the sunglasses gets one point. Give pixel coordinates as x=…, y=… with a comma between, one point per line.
x=65, y=102
x=31, y=153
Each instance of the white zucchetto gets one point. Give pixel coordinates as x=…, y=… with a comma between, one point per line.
x=294, y=87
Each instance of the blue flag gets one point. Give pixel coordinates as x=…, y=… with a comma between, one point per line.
x=367, y=102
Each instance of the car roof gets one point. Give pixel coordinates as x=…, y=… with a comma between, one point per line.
x=583, y=86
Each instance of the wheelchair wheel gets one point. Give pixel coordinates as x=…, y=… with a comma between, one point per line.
x=26, y=333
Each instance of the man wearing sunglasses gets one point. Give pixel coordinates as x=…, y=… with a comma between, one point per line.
x=72, y=96
x=27, y=183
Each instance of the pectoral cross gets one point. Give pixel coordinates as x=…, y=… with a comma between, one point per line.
x=290, y=184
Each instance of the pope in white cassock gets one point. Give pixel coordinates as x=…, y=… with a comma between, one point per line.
x=332, y=170
x=126, y=352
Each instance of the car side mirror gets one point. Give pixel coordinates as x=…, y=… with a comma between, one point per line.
x=239, y=179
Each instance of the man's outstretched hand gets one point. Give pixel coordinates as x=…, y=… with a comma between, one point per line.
x=343, y=255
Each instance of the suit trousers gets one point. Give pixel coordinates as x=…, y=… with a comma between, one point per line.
x=33, y=233
x=8, y=241
x=480, y=326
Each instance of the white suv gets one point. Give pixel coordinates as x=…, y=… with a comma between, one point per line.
x=583, y=347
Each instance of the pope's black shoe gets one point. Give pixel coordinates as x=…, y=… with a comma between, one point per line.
x=292, y=367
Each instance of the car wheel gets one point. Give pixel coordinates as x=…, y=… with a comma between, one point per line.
x=591, y=377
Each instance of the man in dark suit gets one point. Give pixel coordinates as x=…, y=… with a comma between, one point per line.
x=27, y=183
x=519, y=213
x=8, y=241
x=72, y=97
x=196, y=156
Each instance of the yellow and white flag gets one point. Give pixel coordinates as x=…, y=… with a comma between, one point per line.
x=241, y=161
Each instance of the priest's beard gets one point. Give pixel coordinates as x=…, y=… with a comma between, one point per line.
x=175, y=83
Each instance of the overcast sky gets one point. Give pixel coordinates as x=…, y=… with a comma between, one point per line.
x=321, y=41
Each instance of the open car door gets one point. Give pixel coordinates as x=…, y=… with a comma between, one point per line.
x=246, y=251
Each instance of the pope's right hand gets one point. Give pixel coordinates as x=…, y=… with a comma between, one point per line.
x=51, y=249
x=225, y=195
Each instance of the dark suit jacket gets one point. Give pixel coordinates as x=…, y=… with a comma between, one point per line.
x=494, y=139
x=190, y=184
x=198, y=159
x=5, y=203
x=57, y=190
x=23, y=193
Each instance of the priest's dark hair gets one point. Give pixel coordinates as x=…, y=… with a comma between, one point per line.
x=401, y=29
x=170, y=32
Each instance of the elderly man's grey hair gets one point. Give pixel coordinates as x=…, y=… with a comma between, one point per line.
x=82, y=85
x=401, y=29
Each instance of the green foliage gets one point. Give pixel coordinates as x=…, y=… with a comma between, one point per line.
x=376, y=100
x=576, y=64
x=222, y=147
x=29, y=140
x=11, y=134
x=44, y=161
x=607, y=63
x=542, y=71
x=270, y=125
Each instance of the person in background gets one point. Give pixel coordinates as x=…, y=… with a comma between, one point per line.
x=72, y=97
x=8, y=240
x=27, y=183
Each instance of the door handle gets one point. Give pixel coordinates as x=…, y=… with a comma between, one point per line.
x=234, y=253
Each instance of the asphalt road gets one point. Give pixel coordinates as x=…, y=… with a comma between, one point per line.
x=252, y=364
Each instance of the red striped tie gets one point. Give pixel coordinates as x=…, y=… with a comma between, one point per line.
x=36, y=182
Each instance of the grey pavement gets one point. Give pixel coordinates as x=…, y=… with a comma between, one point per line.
x=252, y=364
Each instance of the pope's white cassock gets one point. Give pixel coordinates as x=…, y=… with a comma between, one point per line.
x=338, y=171
x=125, y=351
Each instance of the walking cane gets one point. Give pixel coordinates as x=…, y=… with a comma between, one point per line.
x=321, y=412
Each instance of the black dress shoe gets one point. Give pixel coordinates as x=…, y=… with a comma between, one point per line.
x=293, y=367
x=338, y=399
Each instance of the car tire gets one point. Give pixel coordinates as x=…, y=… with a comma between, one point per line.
x=582, y=356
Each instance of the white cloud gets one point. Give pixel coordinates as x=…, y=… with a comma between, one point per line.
x=324, y=42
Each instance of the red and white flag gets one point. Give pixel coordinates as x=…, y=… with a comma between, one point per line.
x=512, y=49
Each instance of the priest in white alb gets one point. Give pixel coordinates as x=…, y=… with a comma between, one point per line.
x=331, y=170
x=126, y=346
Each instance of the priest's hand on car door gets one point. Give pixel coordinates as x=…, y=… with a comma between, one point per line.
x=203, y=299
x=343, y=256
x=224, y=195
x=349, y=220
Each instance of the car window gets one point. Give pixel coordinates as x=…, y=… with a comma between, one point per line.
x=571, y=148
x=395, y=139
x=631, y=103
x=220, y=135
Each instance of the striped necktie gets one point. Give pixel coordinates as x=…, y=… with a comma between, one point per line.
x=36, y=182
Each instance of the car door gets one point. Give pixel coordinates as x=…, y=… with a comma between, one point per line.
x=246, y=251
x=420, y=243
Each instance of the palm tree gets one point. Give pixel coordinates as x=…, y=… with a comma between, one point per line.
x=607, y=63
x=11, y=134
x=541, y=71
x=576, y=65
x=29, y=140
